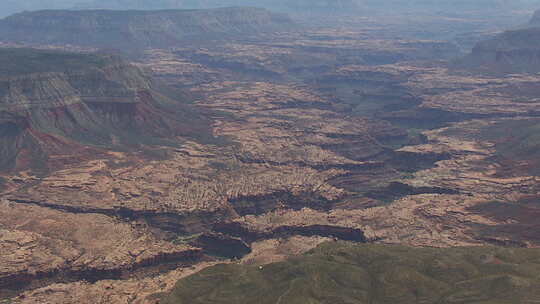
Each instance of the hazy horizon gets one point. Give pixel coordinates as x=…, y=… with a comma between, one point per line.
x=9, y=7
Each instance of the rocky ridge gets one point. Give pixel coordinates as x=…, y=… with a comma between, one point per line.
x=129, y=30
x=513, y=51
x=103, y=103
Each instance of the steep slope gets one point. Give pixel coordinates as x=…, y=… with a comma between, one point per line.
x=136, y=29
x=55, y=103
x=516, y=51
x=346, y=273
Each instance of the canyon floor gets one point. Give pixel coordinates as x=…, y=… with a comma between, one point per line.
x=318, y=135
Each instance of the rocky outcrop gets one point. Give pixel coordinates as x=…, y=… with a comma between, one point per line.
x=128, y=30
x=513, y=51
x=167, y=224
x=260, y=204
x=43, y=246
x=516, y=51
x=49, y=106
x=15, y=282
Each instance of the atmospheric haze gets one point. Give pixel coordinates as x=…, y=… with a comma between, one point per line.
x=8, y=7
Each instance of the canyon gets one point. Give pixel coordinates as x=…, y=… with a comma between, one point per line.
x=122, y=174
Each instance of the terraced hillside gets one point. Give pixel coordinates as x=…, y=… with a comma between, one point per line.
x=53, y=103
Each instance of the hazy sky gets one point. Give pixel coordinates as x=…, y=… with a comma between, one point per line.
x=8, y=7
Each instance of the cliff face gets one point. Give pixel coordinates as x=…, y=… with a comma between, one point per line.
x=136, y=29
x=96, y=105
x=516, y=51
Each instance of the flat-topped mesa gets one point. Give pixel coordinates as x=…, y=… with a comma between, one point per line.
x=57, y=103
x=516, y=51
x=310, y=6
x=127, y=30
x=34, y=78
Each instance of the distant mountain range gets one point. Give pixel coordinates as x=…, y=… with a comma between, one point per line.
x=128, y=30
x=312, y=5
x=8, y=7
x=281, y=5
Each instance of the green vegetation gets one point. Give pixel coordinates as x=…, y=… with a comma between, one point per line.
x=339, y=273
x=21, y=61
